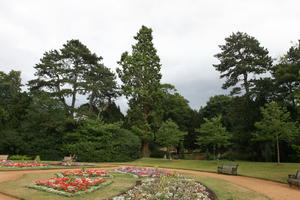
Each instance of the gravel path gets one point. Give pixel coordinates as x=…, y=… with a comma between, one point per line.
x=273, y=190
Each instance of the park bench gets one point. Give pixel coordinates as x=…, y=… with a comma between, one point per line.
x=3, y=157
x=67, y=159
x=228, y=169
x=294, y=179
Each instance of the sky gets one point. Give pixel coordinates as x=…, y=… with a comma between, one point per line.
x=186, y=34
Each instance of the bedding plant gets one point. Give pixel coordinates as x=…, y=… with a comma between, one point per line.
x=168, y=187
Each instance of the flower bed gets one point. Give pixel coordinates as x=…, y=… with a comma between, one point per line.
x=70, y=186
x=4, y=161
x=71, y=164
x=86, y=173
x=144, y=172
x=25, y=165
x=168, y=187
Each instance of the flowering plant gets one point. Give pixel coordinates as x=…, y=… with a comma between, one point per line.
x=144, y=172
x=69, y=186
x=168, y=187
x=86, y=173
x=22, y=165
x=71, y=164
x=4, y=161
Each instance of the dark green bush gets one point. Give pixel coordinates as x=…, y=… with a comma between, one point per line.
x=94, y=141
x=158, y=154
x=234, y=155
x=19, y=157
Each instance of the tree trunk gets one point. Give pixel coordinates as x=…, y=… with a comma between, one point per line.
x=214, y=148
x=246, y=84
x=74, y=92
x=145, y=149
x=91, y=100
x=278, y=152
x=170, y=157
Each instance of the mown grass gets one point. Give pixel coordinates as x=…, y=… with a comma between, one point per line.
x=223, y=189
x=17, y=188
x=262, y=170
x=228, y=191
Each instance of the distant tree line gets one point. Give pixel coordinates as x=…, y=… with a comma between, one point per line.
x=258, y=121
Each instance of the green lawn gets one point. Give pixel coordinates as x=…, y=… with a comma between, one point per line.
x=223, y=189
x=17, y=188
x=263, y=170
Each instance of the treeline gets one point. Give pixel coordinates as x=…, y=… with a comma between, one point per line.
x=257, y=121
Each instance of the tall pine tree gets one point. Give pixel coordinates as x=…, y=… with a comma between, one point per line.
x=241, y=57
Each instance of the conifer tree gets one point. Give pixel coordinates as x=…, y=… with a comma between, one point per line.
x=140, y=74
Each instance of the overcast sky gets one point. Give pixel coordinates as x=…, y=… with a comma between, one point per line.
x=186, y=33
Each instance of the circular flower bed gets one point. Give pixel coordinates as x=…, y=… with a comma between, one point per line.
x=144, y=172
x=25, y=165
x=86, y=173
x=168, y=187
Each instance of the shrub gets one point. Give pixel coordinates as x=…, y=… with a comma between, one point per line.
x=235, y=155
x=158, y=154
x=37, y=159
x=20, y=157
x=94, y=141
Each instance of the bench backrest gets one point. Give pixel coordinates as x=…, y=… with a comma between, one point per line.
x=3, y=157
x=229, y=167
x=298, y=174
x=67, y=158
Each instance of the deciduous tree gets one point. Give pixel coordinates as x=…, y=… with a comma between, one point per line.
x=169, y=135
x=213, y=134
x=275, y=126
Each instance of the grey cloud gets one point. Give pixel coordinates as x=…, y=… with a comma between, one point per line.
x=186, y=33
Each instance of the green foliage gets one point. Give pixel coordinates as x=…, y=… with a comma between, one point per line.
x=37, y=159
x=174, y=106
x=169, y=134
x=19, y=157
x=94, y=141
x=112, y=114
x=241, y=57
x=158, y=154
x=212, y=134
x=44, y=127
x=140, y=74
x=13, y=103
x=275, y=126
x=216, y=105
x=286, y=75
x=71, y=71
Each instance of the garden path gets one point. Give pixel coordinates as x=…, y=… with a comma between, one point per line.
x=273, y=190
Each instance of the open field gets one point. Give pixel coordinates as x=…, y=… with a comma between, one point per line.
x=262, y=170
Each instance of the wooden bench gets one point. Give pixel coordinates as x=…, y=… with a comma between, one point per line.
x=228, y=169
x=67, y=159
x=294, y=179
x=3, y=157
